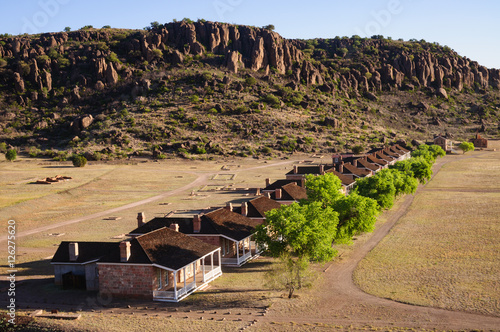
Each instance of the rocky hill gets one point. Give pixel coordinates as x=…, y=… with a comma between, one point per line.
x=196, y=88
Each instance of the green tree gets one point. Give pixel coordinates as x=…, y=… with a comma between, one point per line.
x=417, y=167
x=305, y=231
x=466, y=147
x=380, y=187
x=79, y=161
x=404, y=183
x=11, y=155
x=429, y=152
x=67, y=29
x=357, y=214
x=323, y=188
x=269, y=27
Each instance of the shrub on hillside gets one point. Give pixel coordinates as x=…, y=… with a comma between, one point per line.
x=79, y=161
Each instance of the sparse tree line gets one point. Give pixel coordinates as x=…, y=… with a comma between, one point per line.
x=303, y=232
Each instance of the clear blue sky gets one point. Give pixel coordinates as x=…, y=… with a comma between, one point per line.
x=469, y=27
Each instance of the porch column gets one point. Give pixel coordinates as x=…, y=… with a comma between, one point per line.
x=238, y=252
x=203, y=268
x=194, y=273
x=184, y=269
x=244, y=247
x=175, y=285
x=212, y=261
x=250, y=246
x=220, y=259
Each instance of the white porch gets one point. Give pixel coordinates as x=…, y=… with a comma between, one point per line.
x=193, y=277
x=237, y=253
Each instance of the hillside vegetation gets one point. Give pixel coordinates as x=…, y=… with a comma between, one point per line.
x=206, y=88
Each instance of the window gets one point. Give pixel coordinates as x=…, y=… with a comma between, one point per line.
x=165, y=283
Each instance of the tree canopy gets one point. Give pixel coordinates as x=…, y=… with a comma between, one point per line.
x=323, y=188
x=301, y=230
x=380, y=187
x=466, y=147
x=429, y=152
x=357, y=214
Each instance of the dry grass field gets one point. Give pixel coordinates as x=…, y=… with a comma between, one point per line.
x=446, y=251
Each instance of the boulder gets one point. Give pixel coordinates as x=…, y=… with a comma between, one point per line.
x=332, y=122
x=441, y=92
x=18, y=82
x=371, y=96
x=111, y=74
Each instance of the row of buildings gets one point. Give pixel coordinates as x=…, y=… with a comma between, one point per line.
x=167, y=258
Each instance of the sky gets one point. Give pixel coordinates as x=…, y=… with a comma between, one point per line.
x=469, y=27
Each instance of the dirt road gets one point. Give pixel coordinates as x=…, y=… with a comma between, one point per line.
x=339, y=302
x=199, y=181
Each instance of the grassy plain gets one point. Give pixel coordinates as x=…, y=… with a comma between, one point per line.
x=445, y=252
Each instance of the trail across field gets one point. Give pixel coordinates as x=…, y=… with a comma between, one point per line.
x=199, y=181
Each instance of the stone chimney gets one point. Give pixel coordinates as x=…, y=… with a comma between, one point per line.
x=295, y=169
x=321, y=169
x=124, y=251
x=303, y=183
x=277, y=193
x=244, y=209
x=73, y=251
x=355, y=163
x=174, y=227
x=268, y=182
x=141, y=219
x=229, y=206
x=196, y=224
x=341, y=168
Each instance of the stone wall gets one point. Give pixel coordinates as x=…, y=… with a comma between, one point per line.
x=127, y=280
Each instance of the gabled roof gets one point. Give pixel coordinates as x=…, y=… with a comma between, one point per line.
x=87, y=252
x=171, y=249
x=280, y=183
x=311, y=169
x=346, y=180
x=185, y=226
x=373, y=158
x=291, y=192
x=258, y=207
x=231, y=224
x=383, y=156
x=163, y=246
x=368, y=165
x=351, y=169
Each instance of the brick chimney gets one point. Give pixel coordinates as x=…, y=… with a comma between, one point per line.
x=73, y=251
x=229, y=206
x=277, y=193
x=341, y=167
x=355, y=163
x=141, y=219
x=196, y=223
x=175, y=227
x=321, y=169
x=295, y=169
x=268, y=182
x=303, y=183
x=244, y=209
x=124, y=251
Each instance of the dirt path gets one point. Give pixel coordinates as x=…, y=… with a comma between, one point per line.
x=199, y=181
x=339, y=302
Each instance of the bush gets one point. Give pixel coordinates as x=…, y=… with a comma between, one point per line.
x=250, y=80
x=272, y=100
x=79, y=161
x=11, y=155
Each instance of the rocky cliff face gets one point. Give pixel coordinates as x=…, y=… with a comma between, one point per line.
x=58, y=79
x=241, y=47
